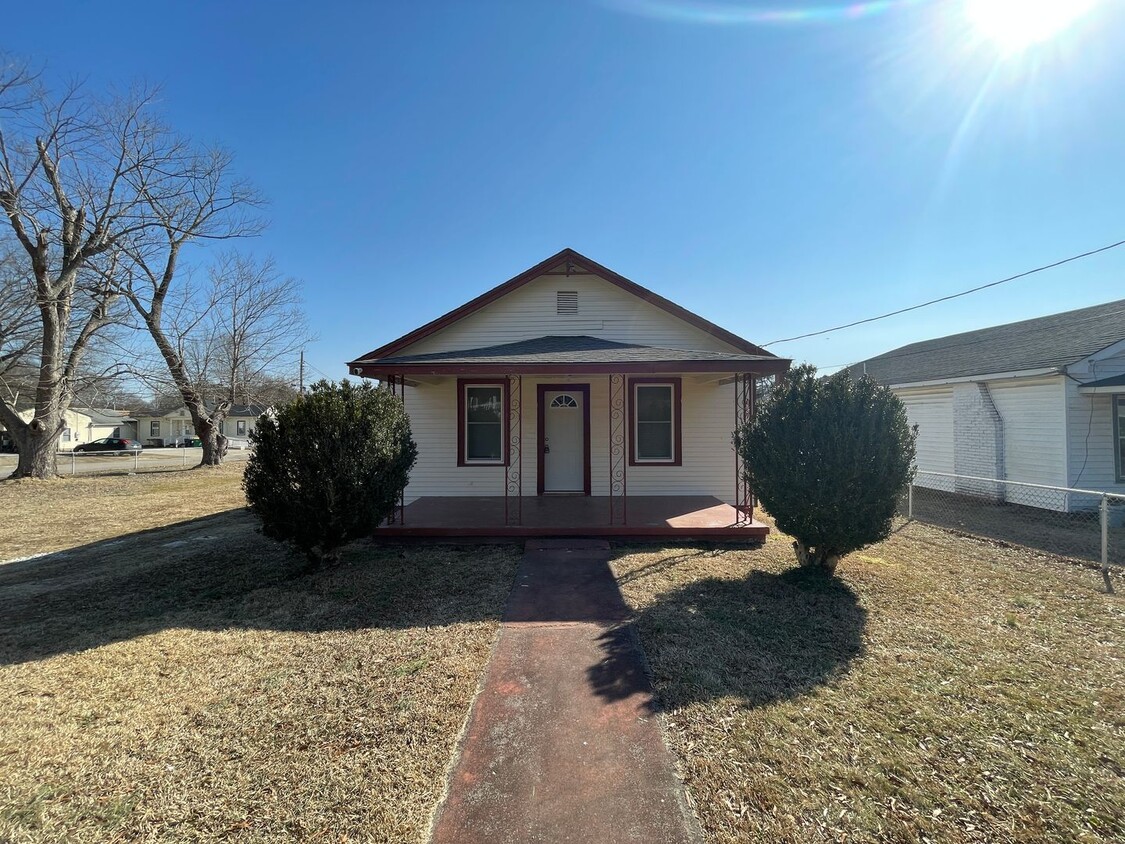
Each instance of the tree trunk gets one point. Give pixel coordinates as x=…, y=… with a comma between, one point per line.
x=37, y=442
x=815, y=558
x=208, y=433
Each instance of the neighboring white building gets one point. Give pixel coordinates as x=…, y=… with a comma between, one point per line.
x=86, y=424
x=173, y=426
x=1040, y=401
x=571, y=380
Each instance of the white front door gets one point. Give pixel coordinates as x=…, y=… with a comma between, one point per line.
x=564, y=441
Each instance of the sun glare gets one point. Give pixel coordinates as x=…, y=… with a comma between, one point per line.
x=1015, y=25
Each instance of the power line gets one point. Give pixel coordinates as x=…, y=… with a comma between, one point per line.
x=951, y=295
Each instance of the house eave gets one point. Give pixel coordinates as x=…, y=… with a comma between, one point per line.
x=988, y=376
x=1114, y=390
x=373, y=369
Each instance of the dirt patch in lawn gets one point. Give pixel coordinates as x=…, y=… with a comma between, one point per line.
x=41, y=516
x=188, y=683
x=941, y=689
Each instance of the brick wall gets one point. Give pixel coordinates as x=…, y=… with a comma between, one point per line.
x=978, y=440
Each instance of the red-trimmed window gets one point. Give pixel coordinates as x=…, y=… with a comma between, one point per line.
x=482, y=422
x=654, y=421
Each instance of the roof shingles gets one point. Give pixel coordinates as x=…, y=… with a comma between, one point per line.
x=1042, y=343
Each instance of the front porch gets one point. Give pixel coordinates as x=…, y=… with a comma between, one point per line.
x=679, y=516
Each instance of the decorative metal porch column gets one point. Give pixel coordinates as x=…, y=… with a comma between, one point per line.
x=513, y=470
x=397, y=386
x=745, y=388
x=618, y=458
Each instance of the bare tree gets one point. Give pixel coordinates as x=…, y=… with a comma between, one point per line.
x=89, y=187
x=227, y=340
x=19, y=329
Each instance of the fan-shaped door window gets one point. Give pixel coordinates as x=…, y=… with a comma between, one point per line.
x=564, y=400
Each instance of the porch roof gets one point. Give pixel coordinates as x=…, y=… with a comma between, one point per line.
x=563, y=354
x=1115, y=384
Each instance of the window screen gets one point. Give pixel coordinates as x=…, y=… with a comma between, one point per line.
x=484, y=423
x=655, y=423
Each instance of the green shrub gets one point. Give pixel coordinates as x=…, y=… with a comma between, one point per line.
x=828, y=459
x=330, y=466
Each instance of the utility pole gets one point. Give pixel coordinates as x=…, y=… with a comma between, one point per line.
x=301, y=386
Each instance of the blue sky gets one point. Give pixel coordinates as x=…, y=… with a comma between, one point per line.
x=775, y=177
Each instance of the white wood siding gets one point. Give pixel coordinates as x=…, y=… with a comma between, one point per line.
x=1089, y=421
x=1033, y=413
x=604, y=311
x=931, y=409
x=708, y=458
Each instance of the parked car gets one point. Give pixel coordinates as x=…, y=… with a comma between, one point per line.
x=114, y=445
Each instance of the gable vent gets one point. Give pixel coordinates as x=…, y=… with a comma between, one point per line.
x=566, y=302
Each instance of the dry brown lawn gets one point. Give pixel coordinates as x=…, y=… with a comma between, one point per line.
x=190, y=684
x=941, y=689
x=41, y=516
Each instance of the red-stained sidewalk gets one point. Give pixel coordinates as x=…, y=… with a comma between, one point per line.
x=562, y=744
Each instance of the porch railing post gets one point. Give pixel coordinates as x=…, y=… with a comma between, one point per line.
x=618, y=447
x=513, y=466
x=744, y=385
x=402, y=495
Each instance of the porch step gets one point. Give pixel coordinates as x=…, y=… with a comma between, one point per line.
x=564, y=544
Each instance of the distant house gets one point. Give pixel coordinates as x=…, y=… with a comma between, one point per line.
x=86, y=424
x=570, y=399
x=172, y=426
x=1039, y=401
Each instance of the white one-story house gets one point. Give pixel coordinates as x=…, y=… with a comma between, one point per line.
x=570, y=399
x=86, y=424
x=171, y=427
x=1040, y=401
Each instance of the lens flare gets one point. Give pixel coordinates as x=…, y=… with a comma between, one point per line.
x=1015, y=25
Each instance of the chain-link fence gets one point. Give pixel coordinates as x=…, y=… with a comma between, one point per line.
x=133, y=462
x=1080, y=523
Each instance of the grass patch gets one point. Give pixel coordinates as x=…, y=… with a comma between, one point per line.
x=50, y=515
x=941, y=689
x=188, y=684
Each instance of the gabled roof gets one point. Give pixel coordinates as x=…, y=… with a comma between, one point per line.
x=580, y=262
x=105, y=416
x=1048, y=342
x=573, y=351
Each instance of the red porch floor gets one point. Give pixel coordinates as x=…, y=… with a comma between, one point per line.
x=681, y=516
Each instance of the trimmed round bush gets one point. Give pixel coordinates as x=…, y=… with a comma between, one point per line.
x=828, y=458
x=330, y=466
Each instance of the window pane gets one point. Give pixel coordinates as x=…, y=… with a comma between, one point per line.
x=483, y=404
x=654, y=404
x=654, y=440
x=483, y=441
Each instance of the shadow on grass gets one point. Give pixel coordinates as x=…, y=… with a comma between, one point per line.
x=217, y=573
x=765, y=638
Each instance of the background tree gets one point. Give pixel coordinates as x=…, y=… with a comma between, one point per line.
x=330, y=466
x=88, y=187
x=828, y=458
x=232, y=338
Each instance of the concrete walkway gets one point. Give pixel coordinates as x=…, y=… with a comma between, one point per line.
x=562, y=744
